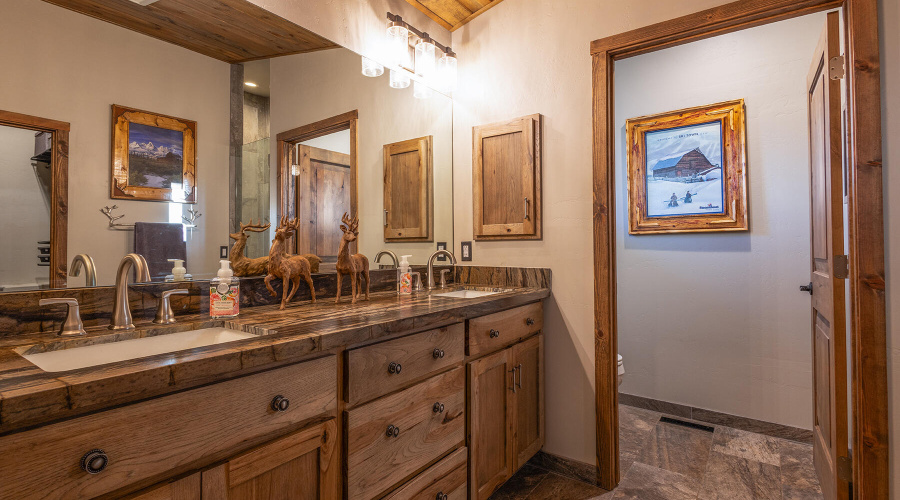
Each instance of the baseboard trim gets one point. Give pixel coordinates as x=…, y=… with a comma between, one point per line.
x=718, y=418
x=573, y=469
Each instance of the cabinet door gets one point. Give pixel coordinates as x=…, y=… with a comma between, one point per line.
x=186, y=488
x=529, y=395
x=490, y=423
x=408, y=186
x=506, y=179
x=300, y=466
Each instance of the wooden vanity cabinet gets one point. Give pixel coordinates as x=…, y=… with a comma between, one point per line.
x=186, y=488
x=506, y=414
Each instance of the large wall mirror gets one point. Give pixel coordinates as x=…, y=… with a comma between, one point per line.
x=392, y=168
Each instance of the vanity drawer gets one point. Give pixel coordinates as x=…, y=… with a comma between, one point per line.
x=447, y=477
x=173, y=433
x=383, y=368
x=376, y=462
x=491, y=332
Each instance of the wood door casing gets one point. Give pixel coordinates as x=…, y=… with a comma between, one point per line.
x=529, y=395
x=322, y=197
x=300, y=466
x=491, y=434
x=826, y=230
x=506, y=179
x=409, y=190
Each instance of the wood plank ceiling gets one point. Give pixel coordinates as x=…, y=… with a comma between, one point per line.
x=229, y=30
x=452, y=14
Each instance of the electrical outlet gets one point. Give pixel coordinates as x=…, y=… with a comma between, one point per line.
x=223, y=252
x=442, y=245
x=466, y=251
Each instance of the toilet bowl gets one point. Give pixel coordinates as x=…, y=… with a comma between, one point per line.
x=621, y=369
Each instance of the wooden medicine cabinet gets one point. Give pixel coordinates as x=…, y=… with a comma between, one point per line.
x=408, y=185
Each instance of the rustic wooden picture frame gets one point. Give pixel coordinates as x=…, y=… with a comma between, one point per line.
x=731, y=215
x=120, y=189
x=424, y=188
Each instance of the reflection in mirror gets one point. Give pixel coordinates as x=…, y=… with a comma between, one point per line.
x=25, y=211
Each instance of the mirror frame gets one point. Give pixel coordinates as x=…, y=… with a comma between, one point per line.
x=285, y=149
x=59, y=186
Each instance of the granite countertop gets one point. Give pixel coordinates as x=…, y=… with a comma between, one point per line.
x=29, y=396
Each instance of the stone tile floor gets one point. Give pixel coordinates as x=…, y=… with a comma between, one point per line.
x=663, y=461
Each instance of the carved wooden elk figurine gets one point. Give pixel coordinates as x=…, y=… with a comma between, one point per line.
x=356, y=265
x=290, y=268
x=244, y=266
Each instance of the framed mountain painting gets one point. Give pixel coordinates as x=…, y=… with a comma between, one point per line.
x=153, y=157
x=687, y=170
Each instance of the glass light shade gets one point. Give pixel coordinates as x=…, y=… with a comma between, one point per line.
x=447, y=72
x=421, y=91
x=371, y=68
x=426, y=59
x=398, y=44
x=399, y=79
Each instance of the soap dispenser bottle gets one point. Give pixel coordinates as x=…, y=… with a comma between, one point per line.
x=224, y=290
x=179, y=273
x=404, y=280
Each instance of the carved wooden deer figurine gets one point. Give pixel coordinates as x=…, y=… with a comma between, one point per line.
x=356, y=265
x=242, y=265
x=290, y=268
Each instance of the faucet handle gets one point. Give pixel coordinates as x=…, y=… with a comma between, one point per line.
x=417, y=281
x=72, y=325
x=444, y=273
x=164, y=313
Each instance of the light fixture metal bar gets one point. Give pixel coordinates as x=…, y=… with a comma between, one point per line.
x=421, y=34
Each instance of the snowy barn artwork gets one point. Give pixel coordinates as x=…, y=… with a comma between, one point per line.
x=679, y=166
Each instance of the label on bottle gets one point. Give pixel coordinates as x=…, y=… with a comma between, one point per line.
x=406, y=283
x=224, y=300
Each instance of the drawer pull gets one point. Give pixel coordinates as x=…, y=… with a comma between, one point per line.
x=280, y=403
x=438, y=353
x=394, y=368
x=393, y=431
x=94, y=461
x=529, y=321
x=441, y=496
x=438, y=408
x=495, y=333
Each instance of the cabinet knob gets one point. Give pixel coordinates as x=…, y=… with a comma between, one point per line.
x=495, y=333
x=438, y=407
x=280, y=403
x=94, y=461
x=394, y=368
x=393, y=431
x=438, y=353
x=529, y=321
x=441, y=496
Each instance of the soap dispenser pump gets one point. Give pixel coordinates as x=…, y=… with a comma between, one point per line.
x=404, y=281
x=179, y=273
x=224, y=298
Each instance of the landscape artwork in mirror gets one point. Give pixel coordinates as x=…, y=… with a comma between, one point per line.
x=153, y=157
x=687, y=169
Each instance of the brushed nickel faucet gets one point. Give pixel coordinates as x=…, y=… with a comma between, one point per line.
x=430, y=271
x=90, y=270
x=164, y=313
x=72, y=325
x=121, y=316
x=389, y=253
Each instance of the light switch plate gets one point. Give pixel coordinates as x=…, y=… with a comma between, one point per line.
x=442, y=245
x=223, y=252
x=465, y=251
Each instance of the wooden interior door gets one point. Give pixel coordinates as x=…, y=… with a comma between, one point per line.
x=829, y=267
x=322, y=197
x=408, y=191
x=529, y=394
x=490, y=423
x=506, y=182
x=300, y=466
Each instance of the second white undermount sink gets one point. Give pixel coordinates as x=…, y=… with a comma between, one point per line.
x=471, y=292
x=100, y=354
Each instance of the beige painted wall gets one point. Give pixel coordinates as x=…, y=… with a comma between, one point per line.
x=66, y=66
x=715, y=321
x=311, y=87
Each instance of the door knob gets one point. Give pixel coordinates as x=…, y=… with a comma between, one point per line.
x=807, y=288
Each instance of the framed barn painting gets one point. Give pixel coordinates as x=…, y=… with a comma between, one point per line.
x=153, y=157
x=687, y=170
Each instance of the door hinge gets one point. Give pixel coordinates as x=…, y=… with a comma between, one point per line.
x=845, y=469
x=836, y=68
x=841, y=267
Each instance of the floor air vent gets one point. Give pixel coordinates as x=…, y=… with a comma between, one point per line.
x=683, y=423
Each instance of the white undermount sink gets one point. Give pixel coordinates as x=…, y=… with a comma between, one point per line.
x=471, y=293
x=101, y=354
